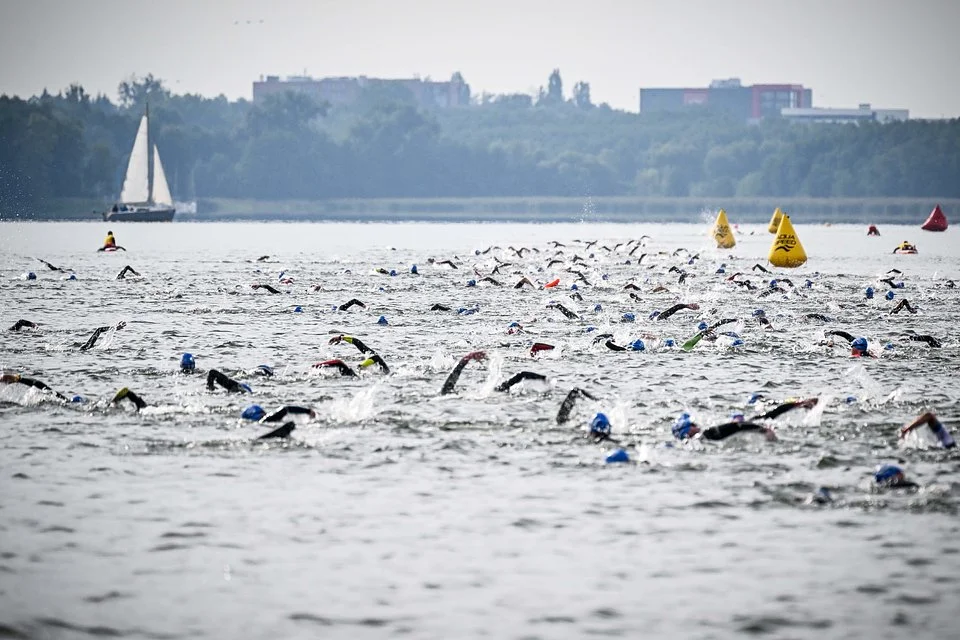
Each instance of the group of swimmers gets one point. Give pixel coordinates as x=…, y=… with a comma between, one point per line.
x=685, y=428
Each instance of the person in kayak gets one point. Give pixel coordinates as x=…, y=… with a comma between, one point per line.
x=110, y=242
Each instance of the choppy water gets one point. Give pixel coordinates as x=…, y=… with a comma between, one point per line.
x=398, y=512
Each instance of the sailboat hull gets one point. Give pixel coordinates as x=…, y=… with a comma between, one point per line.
x=145, y=215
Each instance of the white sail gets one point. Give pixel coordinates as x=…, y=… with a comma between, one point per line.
x=161, y=190
x=136, y=184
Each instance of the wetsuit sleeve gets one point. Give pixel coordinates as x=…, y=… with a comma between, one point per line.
x=723, y=431
x=778, y=410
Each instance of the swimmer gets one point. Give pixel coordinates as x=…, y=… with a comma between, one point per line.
x=930, y=340
x=439, y=307
x=350, y=303
x=123, y=273
x=524, y=281
x=568, y=403
x=16, y=378
x=677, y=307
x=92, y=340
x=448, y=263
x=903, y=304
x=562, y=309
x=52, y=267
x=451, y=380
x=685, y=429
x=264, y=286
x=891, y=476
x=940, y=431
x=20, y=324
x=215, y=377
x=858, y=348
x=126, y=394
x=340, y=365
x=517, y=378
x=539, y=346
x=495, y=283
x=759, y=267
x=351, y=340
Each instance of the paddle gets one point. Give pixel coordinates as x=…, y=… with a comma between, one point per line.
x=692, y=342
x=115, y=247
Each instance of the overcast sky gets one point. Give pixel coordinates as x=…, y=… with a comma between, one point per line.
x=891, y=53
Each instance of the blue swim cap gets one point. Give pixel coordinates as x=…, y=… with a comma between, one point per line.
x=773, y=283
x=573, y=287
x=721, y=270
x=78, y=399
x=382, y=320
x=737, y=343
x=413, y=269
x=253, y=412
x=604, y=277
x=860, y=344
x=851, y=399
x=618, y=456
x=808, y=284
x=899, y=285
x=600, y=425
x=471, y=283
x=637, y=345
x=31, y=275
x=265, y=369
x=754, y=397
x=589, y=329
x=702, y=326
x=889, y=295
x=869, y=293
x=738, y=416
x=669, y=342
x=466, y=312
x=281, y=275
x=298, y=309
x=888, y=474
x=187, y=363
x=393, y=272
x=513, y=325
x=628, y=317
x=759, y=313
x=597, y=308
x=888, y=346
x=681, y=428
x=72, y=276
x=690, y=261
x=654, y=314
x=246, y=387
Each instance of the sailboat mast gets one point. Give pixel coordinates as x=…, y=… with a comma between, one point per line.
x=150, y=168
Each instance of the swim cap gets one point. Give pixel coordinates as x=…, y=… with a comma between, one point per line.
x=187, y=363
x=654, y=314
x=600, y=425
x=31, y=275
x=759, y=313
x=471, y=283
x=618, y=456
x=737, y=343
x=889, y=295
x=78, y=399
x=888, y=474
x=72, y=276
x=637, y=345
x=851, y=399
x=513, y=325
x=413, y=269
x=754, y=397
x=298, y=309
x=589, y=329
x=573, y=287
x=265, y=369
x=702, y=326
x=681, y=428
x=253, y=412
x=393, y=272
x=382, y=320
x=628, y=317
x=869, y=293
x=597, y=308
x=808, y=284
x=860, y=344
x=899, y=285
x=246, y=387
x=604, y=277
x=888, y=346
x=669, y=342
x=737, y=417
x=721, y=270
x=773, y=283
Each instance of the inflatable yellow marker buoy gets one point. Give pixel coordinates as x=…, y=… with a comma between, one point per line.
x=775, y=220
x=722, y=233
x=786, y=250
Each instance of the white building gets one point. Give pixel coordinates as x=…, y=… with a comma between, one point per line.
x=860, y=114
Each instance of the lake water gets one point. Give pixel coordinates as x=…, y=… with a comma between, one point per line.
x=398, y=512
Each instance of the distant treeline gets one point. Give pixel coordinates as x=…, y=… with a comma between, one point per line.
x=291, y=147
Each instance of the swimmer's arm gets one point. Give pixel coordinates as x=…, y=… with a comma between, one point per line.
x=730, y=428
x=927, y=418
x=787, y=406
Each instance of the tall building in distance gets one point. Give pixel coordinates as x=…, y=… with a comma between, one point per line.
x=344, y=91
x=750, y=103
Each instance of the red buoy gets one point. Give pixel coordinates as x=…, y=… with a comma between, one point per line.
x=936, y=222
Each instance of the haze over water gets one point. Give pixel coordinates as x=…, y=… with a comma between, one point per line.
x=400, y=512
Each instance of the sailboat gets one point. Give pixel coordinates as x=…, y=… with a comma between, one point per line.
x=143, y=199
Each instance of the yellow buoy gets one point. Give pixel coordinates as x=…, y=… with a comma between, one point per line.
x=786, y=250
x=722, y=233
x=775, y=220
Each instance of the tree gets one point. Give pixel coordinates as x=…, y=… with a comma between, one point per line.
x=554, y=92
x=581, y=95
x=135, y=93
